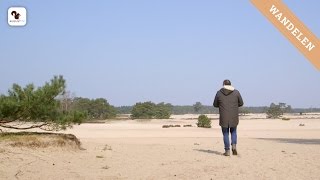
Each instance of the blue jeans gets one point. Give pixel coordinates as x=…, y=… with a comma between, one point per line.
x=225, y=132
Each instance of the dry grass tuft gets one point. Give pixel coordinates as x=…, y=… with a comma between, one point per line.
x=107, y=147
x=40, y=140
x=169, y=126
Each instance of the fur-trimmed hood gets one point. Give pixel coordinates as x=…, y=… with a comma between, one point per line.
x=227, y=89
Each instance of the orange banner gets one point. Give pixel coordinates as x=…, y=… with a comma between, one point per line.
x=292, y=28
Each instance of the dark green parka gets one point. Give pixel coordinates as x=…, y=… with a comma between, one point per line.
x=228, y=100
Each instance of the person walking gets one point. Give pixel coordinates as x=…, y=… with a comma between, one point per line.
x=228, y=100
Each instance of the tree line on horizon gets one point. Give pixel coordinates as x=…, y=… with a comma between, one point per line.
x=51, y=107
x=206, y=109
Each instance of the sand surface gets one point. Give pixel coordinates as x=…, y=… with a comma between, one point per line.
x=134, y=149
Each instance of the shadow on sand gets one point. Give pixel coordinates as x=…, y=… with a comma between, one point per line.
x=293, y=141
x=209, y=151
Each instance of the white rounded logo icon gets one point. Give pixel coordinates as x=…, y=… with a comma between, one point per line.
x=17, y=16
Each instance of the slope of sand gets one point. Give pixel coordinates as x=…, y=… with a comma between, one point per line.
x=268, y=149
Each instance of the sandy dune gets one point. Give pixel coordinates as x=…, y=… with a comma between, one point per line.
x=268, y=149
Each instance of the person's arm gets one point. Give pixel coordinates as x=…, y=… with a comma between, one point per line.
x=216, y=101
x=240, y=101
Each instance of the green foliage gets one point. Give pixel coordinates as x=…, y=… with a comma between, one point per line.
x=162, y=111
x=124, y=109
x=150, y=110
x=197, y=106
x=204, y=121
x=143, y=110
x=30, y=104
x=274, y=111
x=67, y=118
x=95, y=108
x=191, y=110
x=243, y=111
x=288, y=109
x=175, y=109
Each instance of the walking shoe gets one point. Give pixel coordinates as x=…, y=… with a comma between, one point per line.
x=227, y=153
x=234, y=149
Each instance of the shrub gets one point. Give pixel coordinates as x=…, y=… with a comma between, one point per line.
x=285, y=119
x=143, y=110
x=162, y=111
x=204, y=121
x=274, y=111
x=94, y=108
x=37, y=106
x=150, y=110
x=171, y=125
